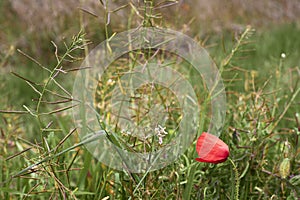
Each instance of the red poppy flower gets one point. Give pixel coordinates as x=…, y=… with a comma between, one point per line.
x=211, y=149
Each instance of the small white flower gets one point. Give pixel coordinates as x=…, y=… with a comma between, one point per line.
x=110, y=82
x=156, y=130
x=160, y=140
x=161, y=133
x=283, y=55
x=125, y=132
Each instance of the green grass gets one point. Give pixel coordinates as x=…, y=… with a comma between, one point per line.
x=42, y=157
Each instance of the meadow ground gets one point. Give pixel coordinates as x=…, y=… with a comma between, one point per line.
x=42, y=156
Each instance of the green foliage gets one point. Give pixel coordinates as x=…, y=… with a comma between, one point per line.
x=42, y=157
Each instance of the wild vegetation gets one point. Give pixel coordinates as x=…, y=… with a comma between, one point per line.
x=42, y=155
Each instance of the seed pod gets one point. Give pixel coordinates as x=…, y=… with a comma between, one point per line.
x=295, y=180
x=286, y=149
x=284, y=169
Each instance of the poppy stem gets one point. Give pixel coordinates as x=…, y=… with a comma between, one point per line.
x=237, y=179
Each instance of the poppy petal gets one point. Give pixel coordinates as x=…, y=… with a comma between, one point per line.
x=211, y=149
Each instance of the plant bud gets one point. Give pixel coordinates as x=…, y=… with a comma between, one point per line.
x=284, y=169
